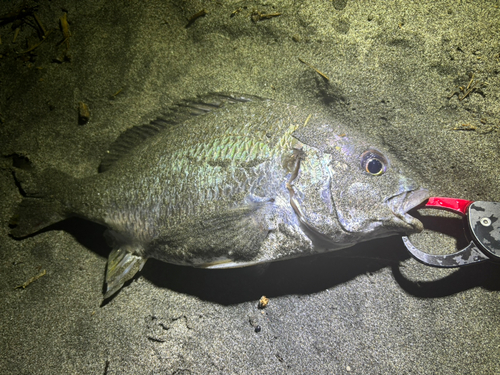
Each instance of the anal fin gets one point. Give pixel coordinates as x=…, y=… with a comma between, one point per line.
x=122, y=266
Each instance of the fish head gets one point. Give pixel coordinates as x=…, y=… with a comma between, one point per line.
x=369, y=193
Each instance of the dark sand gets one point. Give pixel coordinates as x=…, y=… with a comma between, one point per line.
x=392, y=66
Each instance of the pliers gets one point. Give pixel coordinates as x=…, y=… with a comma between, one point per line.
x=482, y=225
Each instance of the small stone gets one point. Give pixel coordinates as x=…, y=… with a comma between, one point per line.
x=263, y=302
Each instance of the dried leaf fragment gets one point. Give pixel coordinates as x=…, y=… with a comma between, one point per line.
x=65, y=26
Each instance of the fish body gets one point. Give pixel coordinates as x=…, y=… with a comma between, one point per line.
x=227, y=181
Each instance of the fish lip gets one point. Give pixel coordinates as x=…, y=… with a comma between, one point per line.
x=402, y=203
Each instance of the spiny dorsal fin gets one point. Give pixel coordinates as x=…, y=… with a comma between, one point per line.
x=175, y=114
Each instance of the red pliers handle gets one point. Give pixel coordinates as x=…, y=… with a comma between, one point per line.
x=482, y=219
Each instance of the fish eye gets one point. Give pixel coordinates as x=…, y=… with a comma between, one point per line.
x=373, y=162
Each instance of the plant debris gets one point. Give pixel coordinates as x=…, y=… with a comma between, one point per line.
x=83, y=113
x=313, y=68
x=464, y=91
x=194, y=17
x=481, y=129
x=257, y=16
x=34, y=278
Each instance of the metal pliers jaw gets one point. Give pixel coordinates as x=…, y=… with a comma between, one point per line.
x=482, y=219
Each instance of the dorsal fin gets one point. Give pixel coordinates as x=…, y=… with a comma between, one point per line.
x=173, y=115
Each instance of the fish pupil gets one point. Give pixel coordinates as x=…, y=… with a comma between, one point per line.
x=374, y=166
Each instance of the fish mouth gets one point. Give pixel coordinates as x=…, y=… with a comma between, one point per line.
x=402, y=203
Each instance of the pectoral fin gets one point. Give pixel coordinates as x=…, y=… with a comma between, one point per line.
x=122, y=266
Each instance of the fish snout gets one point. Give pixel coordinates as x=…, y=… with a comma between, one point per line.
x=402, y=203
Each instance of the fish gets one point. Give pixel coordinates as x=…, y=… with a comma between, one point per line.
x=228, y=180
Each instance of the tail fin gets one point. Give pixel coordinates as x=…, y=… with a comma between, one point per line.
x=43, y=203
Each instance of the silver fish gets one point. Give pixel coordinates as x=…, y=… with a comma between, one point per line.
x=226, y=181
